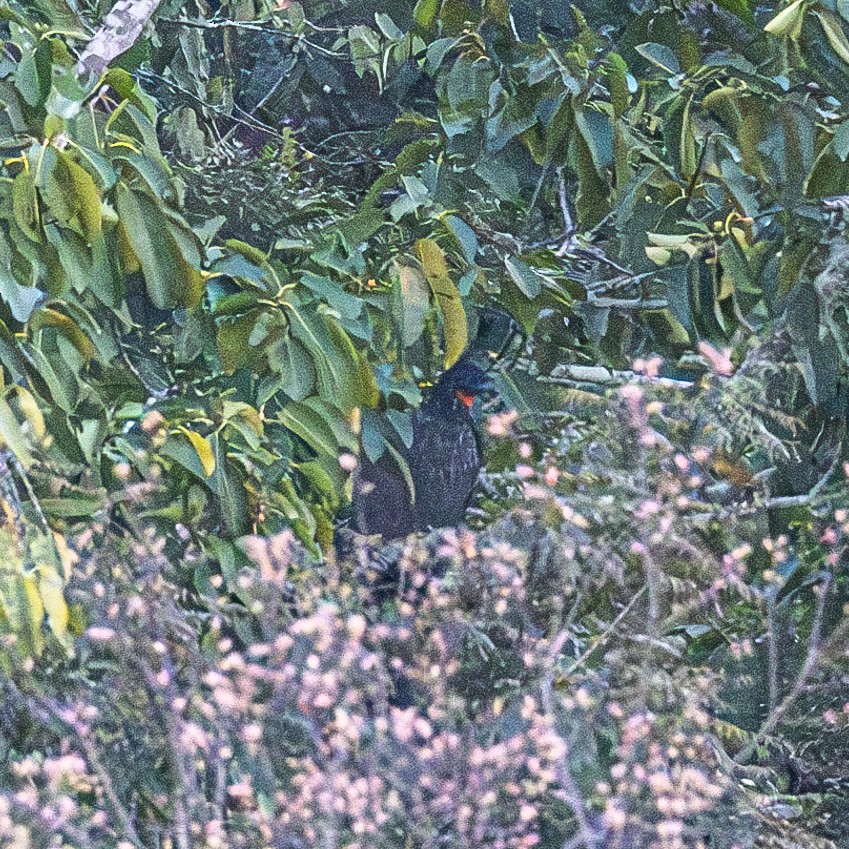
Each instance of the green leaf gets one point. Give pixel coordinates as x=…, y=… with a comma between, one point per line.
x=227, y=484
x=660, y=55
x=232, y=339
x=47, y=317
x=29, y=409
x=25, y=206
x=465, y=236
x=304, y=421
x=12, y=436
x=744, y=9
x=73, y=507
x=840, y=141
x=425, y=12
x=402, y=422
x=70, y=194
x=170, y=279
x=180, y=449
x=292, y=360
x=125, y=86
x=834, y=33
x=235, y=304
x=337, y=364
x=387, y=26
x=61, y=384
x=447, y=299
x=788, y=22
x=11, y=355
x=617, y=76
x=51, y=590
x=524, y=277
x=597, y=131
x=348, y=306
x=415, y=301
x=34, y=74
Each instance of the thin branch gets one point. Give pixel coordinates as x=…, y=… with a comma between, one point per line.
x=601, y=638
x=252, y=27
x=813, y=654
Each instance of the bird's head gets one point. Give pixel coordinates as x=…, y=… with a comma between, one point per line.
x=464, y=381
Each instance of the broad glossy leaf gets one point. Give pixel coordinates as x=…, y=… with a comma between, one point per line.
x=465, y=236
x=415, y=302
x=47, y=317
x=528, y=281
x=126, y=87
x=788, y=22
x=179, y=448
x=79, y=505
x=292, y=360
x=335, y=359
x=151, y=169
x=424, y=12
x=834, y=33
x=402, y=422
x=661, y=55
x=617, y=82
x=25, y=206
x=31, y=412
x=202, y=448
x=21, y=300
x=34, y=74
x=307, y=423
x=70, y=194
x=171, y=281
x=347, y=305
x=447, y=299
x=51, y=589
x=228, y=485
x=13, y=436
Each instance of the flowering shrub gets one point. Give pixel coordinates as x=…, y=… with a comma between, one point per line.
x=555, y=679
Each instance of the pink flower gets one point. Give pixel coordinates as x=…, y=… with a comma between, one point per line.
x=719, y=361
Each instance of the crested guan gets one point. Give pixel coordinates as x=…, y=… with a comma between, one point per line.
x=444, y=457
x=444, y=460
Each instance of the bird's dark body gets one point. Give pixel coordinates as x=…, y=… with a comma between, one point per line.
x=444, y=461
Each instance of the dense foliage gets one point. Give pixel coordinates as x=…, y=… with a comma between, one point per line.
x=233, y=260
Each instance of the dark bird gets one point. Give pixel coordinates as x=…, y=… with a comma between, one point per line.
x=443, y=462
x=430, y=483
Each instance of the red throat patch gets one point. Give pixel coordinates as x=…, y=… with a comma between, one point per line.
x=467, y=398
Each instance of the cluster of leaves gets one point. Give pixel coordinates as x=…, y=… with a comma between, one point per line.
x=624, y=182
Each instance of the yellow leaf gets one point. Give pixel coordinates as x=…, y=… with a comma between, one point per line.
x=31, y=412
x=50, y=589
x=788, y=22
x=35, y=609
x=203, y=448
x=447, y=299
x=47, y=317
x=67, y=557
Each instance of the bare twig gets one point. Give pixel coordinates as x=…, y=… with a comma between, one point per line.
x=251, y=26
x=810, y=665
x=601, y=638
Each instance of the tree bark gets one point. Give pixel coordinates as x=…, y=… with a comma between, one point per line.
x=119, y=31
